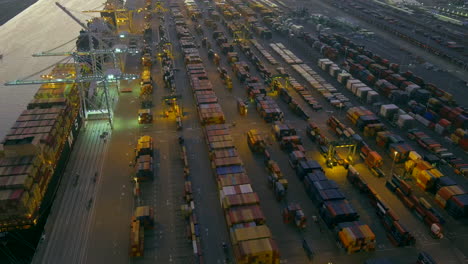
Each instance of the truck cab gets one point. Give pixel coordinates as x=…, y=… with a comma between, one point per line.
x=282, y=130
x=255, y=141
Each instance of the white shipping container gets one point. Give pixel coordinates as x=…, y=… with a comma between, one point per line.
x=439, y=129
x=362, y=92
x=246, y=188
x=401, y=112
x=343, y=77
x=334, y=70
x=354, y=87
x=350, y=82
x=326, y=65
x=388, y=110
x=405, y=121
x=422, y=120
x=320, y=61
x=412, y=88
x=372, y=97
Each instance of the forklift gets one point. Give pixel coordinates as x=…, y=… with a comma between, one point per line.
x=293, y=213
x=145, y=116
x=242, y=107
x=255, y=141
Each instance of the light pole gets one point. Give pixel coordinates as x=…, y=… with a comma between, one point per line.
x=393, y=163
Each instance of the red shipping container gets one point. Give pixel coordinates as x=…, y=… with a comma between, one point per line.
x=400, y=194
x=408, y=203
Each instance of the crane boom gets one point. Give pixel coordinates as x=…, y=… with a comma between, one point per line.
x=89, y=78
x=106, y=11
x=86, y=53
x=71, y=15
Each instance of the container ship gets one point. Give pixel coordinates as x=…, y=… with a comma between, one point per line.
x=33, y=156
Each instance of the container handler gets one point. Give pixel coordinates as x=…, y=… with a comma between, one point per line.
x=144, y=146
x=145, y=116
x=255, y=141
x=280, y=191
x=144, y=168
x=232, y=57
x=373, y=160
x=137, y=236
x=282, y=130
x=293, y=213
x=313, y=131
x=291, y=143
x=146, y=60
x=295, y=157
x=242, y=107
x=145, y=214
x=273, y=170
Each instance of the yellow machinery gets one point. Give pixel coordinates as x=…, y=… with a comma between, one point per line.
x=171, y=100
x=116, y=17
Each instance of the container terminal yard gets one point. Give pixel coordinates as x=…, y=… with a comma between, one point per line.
x=236, y=131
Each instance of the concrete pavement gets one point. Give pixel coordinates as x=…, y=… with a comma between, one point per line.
x=67, y=228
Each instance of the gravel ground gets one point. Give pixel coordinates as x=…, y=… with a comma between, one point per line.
x=10, y=8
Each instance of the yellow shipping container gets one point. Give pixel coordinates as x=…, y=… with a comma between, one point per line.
x=409, y=165
x=416, y=172
x=460, y=132
x=250, y=233
x=257, y=251
x=370, y=236
x=455, y=138
x=436, y=173
x=343, y=239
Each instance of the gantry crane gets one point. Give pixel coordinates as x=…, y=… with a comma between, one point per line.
x=118, y=16
x=333, y=145
x=111, y=75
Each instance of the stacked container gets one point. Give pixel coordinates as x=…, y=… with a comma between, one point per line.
x=355, y=237
x=250, y=236
x=419, y=207
x=35, y=148
x=396, y=232
x=286, y=54
x=268, y=109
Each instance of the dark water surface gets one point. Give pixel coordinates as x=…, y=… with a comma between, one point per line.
x=10, y=8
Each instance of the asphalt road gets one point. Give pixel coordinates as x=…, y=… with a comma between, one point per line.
x=285, y=236
x=102, y=234
x=67, y=227
x=455, y=227
x=449, y=81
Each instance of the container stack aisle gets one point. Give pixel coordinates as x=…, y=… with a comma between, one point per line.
x=240, y=211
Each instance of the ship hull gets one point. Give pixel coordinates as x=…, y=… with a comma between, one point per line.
x=21, y=243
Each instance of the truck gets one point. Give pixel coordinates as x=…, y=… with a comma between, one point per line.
x=144, y=146
x=291, y=143
x=145, y=116
x=293, y=213
x=137, y=236
x=283, y=130
x=144, y=168
x=146, y=60
x=145, y=214
x=241, y=107
x=373, y=160
x=313, y=131
x=295, y=157
x=255, y=141
x=307, y=166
